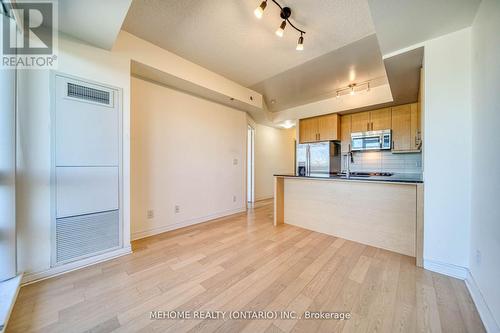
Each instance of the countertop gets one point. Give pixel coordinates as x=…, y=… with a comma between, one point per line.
x=395, y=178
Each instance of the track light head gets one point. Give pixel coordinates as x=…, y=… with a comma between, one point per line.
x=259, y=11
x=281, y=29
x=352, y=89
x=300, y=43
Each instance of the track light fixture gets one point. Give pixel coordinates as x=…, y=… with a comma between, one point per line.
x=353, y=88
x=285, y=14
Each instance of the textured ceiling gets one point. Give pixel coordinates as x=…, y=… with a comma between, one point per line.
x=319, y=78
x=225, y=37
x=402, y=23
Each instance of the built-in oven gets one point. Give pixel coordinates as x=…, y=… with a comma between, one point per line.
x=372, y=140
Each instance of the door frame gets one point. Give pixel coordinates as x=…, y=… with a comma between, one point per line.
x=250, y=165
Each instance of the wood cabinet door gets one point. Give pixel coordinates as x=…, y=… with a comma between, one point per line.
x=345, y=133
x=328, y=127
x=380, y=119
x=415, y=127
x=401, y=127
x=308, y=130
x=360, y=122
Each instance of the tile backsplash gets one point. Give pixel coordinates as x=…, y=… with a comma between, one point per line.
x=385, y=161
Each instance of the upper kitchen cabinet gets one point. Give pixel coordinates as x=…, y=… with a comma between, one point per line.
x=345, y=132
x=323, y=128
x=371, y=121
x=308, y=130
x=380, y=119
x=406, y=128
x=360, y=122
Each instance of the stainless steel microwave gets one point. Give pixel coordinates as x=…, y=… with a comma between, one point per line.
x=372, y=140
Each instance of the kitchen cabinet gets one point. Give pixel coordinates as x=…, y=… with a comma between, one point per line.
x=371, y=120
x=380, y=119
x=308, y=130
x=405, y=128
x=323, y=128
x=345, y=133
x=360, y=122
x=329, y=127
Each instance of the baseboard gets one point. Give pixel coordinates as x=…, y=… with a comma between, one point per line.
x=186, y=223
x=482, y=307
x=455, y=271
x=8, y=294
x=73, y=266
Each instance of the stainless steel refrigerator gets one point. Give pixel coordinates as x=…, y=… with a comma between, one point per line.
x=318, y=158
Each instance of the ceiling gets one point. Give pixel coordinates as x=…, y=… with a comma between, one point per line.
x=320, y=77
x=224, y=35
x=99, y=26
x=402, y=23
x=403, y=73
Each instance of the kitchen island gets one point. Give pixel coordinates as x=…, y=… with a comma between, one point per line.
x=384, y=212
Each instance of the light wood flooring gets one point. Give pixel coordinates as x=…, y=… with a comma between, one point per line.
x=242, y=262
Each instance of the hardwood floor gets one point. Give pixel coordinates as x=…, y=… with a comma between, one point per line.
x=242, y=262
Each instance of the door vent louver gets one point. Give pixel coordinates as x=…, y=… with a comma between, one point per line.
x=88, y=94
x=81, y=236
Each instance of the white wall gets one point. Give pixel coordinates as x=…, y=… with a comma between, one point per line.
x=485, y=215
x=447, y=148
x=274, y=153
x=34, y=130
x=183, y=152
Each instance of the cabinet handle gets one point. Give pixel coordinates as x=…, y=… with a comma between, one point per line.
x=368, y=126
x=371, y=125
x=392, y=145
x=319, y=136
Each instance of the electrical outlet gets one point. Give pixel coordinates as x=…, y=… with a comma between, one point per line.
x=177, y=209
x=234, y=198
x=235, y=161
x=478, y=257
x=151, y=214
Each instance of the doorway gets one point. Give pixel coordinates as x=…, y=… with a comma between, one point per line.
x=250, y=165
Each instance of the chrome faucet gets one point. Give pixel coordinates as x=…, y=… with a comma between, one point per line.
x=350, y=159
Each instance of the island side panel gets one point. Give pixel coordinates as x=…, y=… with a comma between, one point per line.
x=420, y=225
x=377, y=214
x=279, y=202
